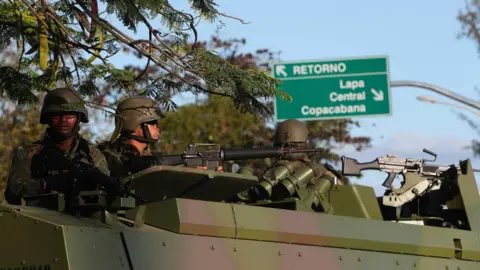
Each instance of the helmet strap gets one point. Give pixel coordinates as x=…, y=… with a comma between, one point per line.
x=146, y=138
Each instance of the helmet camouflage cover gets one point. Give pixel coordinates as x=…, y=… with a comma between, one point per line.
x=292, y=131
x=134, y=111
x=62, y=100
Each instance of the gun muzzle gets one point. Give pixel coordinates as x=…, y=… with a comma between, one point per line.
x=299, y=179
x=320, y=188
x=272, y=177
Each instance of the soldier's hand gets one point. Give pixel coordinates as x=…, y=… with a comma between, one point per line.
x=111, y=184
x=58, y=183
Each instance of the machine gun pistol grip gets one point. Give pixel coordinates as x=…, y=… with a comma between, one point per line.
x=388, y=183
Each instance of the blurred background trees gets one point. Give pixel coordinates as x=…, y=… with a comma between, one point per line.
x=211, y=118
x=470, y=29
x=47, y=44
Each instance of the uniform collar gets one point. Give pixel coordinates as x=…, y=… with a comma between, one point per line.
x=71, y=151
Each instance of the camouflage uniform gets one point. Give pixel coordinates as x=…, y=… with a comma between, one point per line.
x=42, y=167
x=124, y=159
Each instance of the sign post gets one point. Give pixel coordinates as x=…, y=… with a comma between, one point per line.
x=333, y=89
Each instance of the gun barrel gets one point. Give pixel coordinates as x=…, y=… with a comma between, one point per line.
x=266, y=152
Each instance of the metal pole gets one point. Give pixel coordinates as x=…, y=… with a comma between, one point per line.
x=439, y=90
x=435, y=101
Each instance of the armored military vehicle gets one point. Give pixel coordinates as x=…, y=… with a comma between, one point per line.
x=180, y=218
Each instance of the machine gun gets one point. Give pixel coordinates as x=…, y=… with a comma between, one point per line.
x=418, y=177
x=394, y=166
x=210, y=158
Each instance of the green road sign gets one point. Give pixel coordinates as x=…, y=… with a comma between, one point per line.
x=337, y=88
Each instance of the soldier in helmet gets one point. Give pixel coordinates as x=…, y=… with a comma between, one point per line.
x=289, y=134
x=294, y=134
x=62, y=159
x=136, y=126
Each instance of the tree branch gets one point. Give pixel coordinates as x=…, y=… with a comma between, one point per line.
x=232, y=17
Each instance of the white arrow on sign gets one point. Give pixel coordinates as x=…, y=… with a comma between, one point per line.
x=377, y=96
x=280, y=70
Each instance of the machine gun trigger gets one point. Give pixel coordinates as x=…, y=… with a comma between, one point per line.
x=388, y=183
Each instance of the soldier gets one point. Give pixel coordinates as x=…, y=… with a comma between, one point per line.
x=289, y=134
x=62, y=159
x=294, y=134
x=136, y=126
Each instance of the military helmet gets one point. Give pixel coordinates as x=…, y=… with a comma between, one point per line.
x=292, y=131
x=133, y=112
x=62, y=100
x=136, y=110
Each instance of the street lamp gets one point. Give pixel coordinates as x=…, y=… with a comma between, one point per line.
x=434, y=100
x=438, y=90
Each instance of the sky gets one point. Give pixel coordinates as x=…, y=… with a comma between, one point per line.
x=419, y=37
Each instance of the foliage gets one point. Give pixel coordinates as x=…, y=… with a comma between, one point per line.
x=470, y=25
x=19, y=126
x=214, y=120
x=211, y=120
x=58, y=41
x=469, y=22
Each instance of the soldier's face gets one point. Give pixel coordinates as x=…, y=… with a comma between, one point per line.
x=64, y=123
x=153, y=128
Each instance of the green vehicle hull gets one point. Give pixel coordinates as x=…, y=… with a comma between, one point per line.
x=185, y=226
